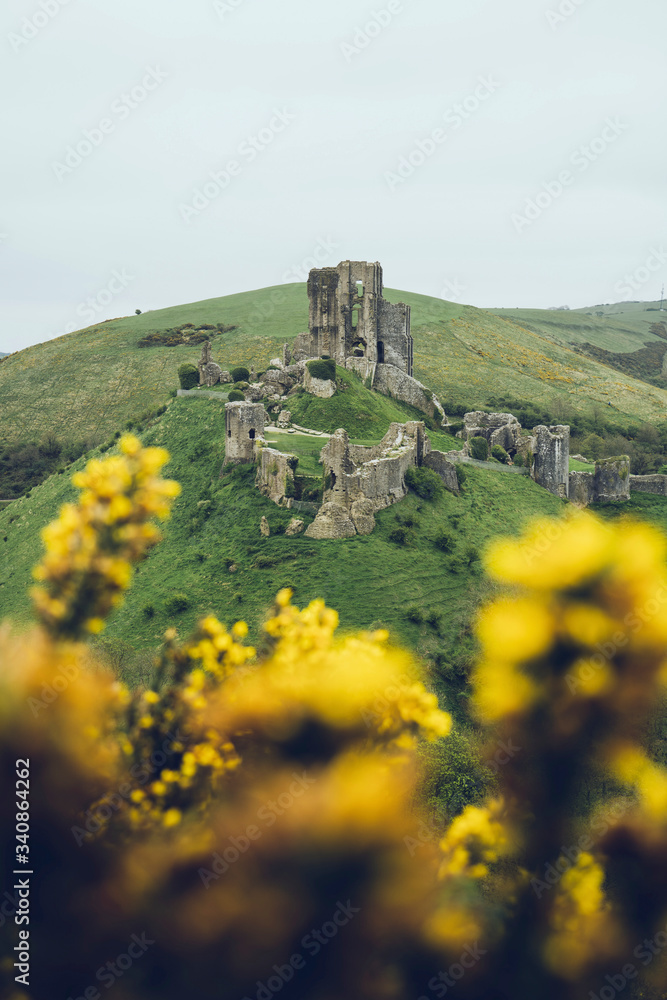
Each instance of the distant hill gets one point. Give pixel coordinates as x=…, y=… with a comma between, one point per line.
x=628, y=336
x=4, y=354
x=87, y=384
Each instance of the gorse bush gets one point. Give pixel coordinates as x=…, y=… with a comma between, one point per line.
x=188, y=376
x=324, y=369
x=479, y=448
x=242, y=802
x=236, y=396
x=424, y=482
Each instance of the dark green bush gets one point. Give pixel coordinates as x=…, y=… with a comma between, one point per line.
x=188, y=376
x=445, y=541
x=518, y=460
x=399, y=536
x=479, y=448
x=148, y=610
x=453, y=427
x=499, y=453
x=461, y=474
x=434, y=619
x=414, y=614
x=424, y=482
x=177, y=604
x=236, y=396
x=323, y=369
x=240, y=385
x=240, y=374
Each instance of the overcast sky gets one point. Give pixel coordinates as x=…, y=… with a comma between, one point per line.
x=499, y=154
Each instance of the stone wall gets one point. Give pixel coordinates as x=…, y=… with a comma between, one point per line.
x=551, y=465
x=581, y=488
x=391, y=381
x=275, y=474
x=497, y=428
x=649, y=484
x=437, y=460
x=244, y=426
x=360, y=481
x=324, y=388
x=394, y=342
x=612, y=478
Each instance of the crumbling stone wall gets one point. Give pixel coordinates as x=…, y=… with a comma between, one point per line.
x=324, y=388
x=362, y=480
x=497, y=428
x=551, y=465
x=438, y=461
x=275, y=474
x=210, y=373
x=649, y=484
x=244, y=427
x=581, y=490
x=391, y=381
x=612, y=478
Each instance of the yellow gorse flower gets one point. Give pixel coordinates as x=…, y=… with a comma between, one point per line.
x=91, y=547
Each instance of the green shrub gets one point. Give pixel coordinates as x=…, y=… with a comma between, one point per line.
x=414, y=614
x=399, y=536
x=272, y=368
x=236, y=396
x=519, y=461
x=188, y=376
x=240, y=374
x=445, y=541
x=453, y=427
x=148, y=610
x=499, y=453
x=424, y=482
x=434, y=619
x=177, y=604
x=323, y=369
x=461, y=474
x=241, y=385
x=479, y=448
x=471, y=554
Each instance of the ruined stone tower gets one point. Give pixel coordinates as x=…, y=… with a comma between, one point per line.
x=244, y=425
x=551, y=465
x=348, y=317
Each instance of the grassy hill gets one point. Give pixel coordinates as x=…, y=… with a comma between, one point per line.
x=84, y=385
x=628, y=336
x=213, y=552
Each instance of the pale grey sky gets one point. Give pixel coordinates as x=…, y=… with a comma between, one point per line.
x=500, y=154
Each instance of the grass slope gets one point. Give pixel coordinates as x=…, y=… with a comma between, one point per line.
x=213, y=551
x=86, y=384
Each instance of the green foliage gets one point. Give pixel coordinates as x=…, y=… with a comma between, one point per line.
x=240, y=374
x=499, y=453
x=454, y=426
x=424, y=482
x=445, y=541
x=518, y=461
x=399, y=535
x=414, y=614
x=148, y=610
x=240, y=386
x=322, y=369
x=461, y=474
x=479, y=448
x=176, y=604
x=188, y=376
x=236, y=396
x=454, y=774
x=593, y=446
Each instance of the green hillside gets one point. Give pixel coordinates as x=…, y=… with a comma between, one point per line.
x=84, y=385
x=213, y=552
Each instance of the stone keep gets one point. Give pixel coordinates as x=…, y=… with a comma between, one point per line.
x=551, y=464
x=244, y=426
x=349, y=317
